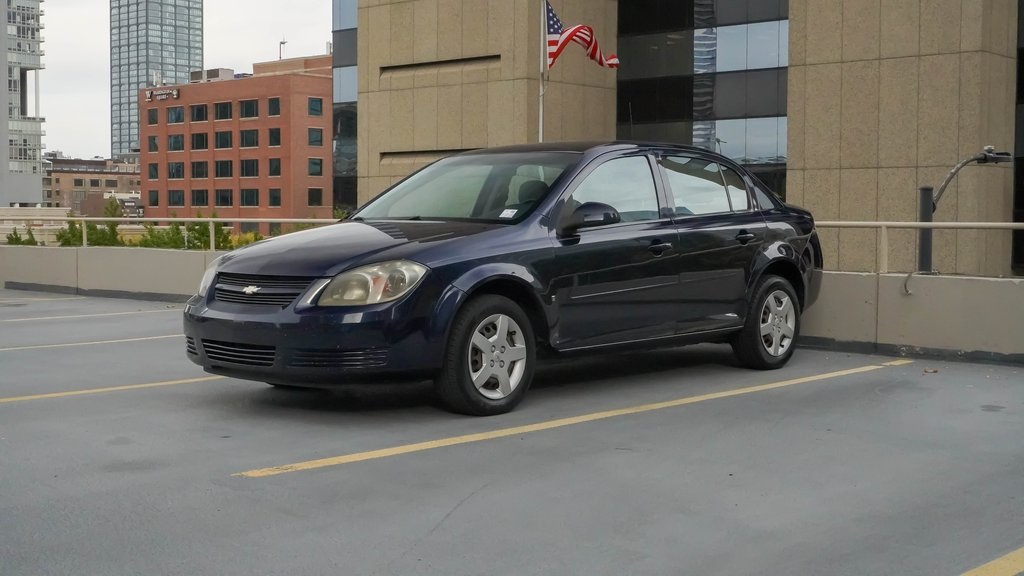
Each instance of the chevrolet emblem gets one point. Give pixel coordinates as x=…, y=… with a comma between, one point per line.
x=250, y=290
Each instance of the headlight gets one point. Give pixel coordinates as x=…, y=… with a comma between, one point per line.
x=208, y=276
x=374, y=284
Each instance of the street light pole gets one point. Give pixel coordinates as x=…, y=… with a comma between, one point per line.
x=929, y=202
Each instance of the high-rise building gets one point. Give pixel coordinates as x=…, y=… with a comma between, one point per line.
x=21, y=131
x=152, y=43
x=346, y=93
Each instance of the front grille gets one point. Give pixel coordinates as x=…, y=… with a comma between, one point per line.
x=243, y=354
x=278, y=291
x=190, y=345
x=342, y=359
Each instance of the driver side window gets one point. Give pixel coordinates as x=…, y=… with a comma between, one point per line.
x=625, y=184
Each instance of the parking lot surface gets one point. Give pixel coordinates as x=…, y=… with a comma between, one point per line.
x=119, y=456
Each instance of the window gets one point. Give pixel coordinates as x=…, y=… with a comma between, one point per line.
x=175, y=142
x=315, y=197
x=275, y=228
x=250, y=197
x=110, y=183
x=737, y=190
x=200, y=113
x=274, y=107
x=153, y=146
x=222, y=140
x=275, y=136
x=94, y=183
x=152, y=117
x=625, y=184
x=316, y=106
x=175, y=115
x=249, y=138
x=224, y=168
x=316, y=136
x=249, y=109
x=222, y=111
x=249, y=227
x=224, y=198
x=275, y=197
x=201, y=169
x=154, y=173
x=250, y=168
x=316, y=167
x=154, y=197
x=275, y=167
x=175, y=170
x=695, y=185
x=200, y=198
x=200, y=141
x=81, y=182
x=175, y=197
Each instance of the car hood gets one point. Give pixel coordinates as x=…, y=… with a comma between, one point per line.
x=326, y=251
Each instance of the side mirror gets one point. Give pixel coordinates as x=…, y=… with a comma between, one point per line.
x=590, y=214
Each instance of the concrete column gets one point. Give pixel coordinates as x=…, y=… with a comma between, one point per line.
x=886, y=96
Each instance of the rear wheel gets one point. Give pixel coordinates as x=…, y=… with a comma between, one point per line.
x=773, y=324
x=488, y=365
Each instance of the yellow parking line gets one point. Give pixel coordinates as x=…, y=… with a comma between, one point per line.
x=902, y=362
x=91, y=315
x=13, y=399
x=1010, y=565
x=540, y=426
x=92, y=343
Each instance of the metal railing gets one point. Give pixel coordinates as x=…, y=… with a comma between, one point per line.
x=882, y=227
x=211, y=222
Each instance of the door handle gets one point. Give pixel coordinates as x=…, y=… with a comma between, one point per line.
x=743, y=237
x=659, y=249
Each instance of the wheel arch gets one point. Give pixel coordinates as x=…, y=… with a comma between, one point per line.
x=785, y=268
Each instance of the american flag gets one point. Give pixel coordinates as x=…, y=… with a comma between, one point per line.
x=560, y=36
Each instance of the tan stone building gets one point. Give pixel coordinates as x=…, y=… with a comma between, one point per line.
x=844, y=106
x=71, y=183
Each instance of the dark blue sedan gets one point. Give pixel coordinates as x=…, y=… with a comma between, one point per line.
x=470, y=269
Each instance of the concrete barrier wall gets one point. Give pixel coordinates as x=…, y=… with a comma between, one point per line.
x=977, y=318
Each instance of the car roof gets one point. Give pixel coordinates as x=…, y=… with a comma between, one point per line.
x=592, y=146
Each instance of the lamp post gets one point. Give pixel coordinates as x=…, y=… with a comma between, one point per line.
x=929, y=202
x=280, y=48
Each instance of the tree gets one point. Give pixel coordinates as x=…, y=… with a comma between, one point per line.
x=70, y=236
x=16, y=239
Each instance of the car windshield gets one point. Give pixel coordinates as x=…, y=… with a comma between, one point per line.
x=488, y=187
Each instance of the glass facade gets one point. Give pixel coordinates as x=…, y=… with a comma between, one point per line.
x=711, y=73
x=346, y=93
x=152, y=43
x=21, y=132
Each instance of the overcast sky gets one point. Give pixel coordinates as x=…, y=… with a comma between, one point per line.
x=75, y=86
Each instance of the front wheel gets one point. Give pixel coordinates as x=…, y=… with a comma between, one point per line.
x=773, y=323
x=488, y=365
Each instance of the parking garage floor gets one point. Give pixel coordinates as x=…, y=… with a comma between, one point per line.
x=119, y=456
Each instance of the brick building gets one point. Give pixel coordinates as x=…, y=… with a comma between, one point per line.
x=252, y=146
x=82, y=185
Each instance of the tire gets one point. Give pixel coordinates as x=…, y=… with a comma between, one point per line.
x=772, y=326
x=475, y=351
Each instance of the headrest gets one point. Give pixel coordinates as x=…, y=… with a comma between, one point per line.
x=531, y=191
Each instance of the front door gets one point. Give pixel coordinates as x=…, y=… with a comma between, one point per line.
x=616, y=283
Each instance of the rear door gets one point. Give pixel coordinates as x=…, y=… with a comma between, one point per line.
x=719, y=238
x=617, y=282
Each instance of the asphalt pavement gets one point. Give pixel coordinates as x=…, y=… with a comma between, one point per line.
x=118, y=456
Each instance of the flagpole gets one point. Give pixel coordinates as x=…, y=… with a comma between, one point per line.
x=543, y=64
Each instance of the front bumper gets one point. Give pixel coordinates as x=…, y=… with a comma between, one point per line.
x=321, y=347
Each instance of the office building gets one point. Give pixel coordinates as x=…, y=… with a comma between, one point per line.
x=346, y=94
x=152, y=43
x=843, y=106
x=21, y=127
x=251, y=147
